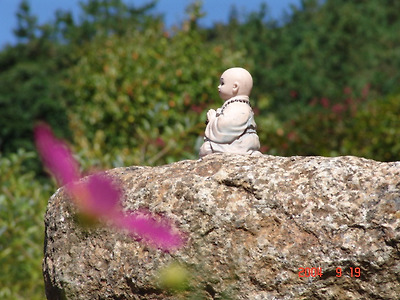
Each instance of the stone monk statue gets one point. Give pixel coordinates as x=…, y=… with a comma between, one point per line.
x=232, y=128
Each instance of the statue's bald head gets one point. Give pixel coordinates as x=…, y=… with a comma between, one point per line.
x=241, y=78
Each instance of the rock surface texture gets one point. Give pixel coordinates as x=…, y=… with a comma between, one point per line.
x=251, y=222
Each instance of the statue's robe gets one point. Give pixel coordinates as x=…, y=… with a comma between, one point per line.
x=233, y=130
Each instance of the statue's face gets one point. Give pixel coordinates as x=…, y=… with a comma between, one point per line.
x=226, y=86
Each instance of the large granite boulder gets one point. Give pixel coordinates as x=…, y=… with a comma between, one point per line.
x=252, y=224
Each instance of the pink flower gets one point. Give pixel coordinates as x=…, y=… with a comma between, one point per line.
x=157, y=233
x=196, y=108
x=292, y=136
x=160, y=142
x=347, y=90
x=56, y=155
x=325, y=102
x=97, y=196
x=338, y=108
x=365, y=90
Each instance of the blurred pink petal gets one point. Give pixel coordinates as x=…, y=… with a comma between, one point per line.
x=157, y=233
x=56, y=156
x=97, y=196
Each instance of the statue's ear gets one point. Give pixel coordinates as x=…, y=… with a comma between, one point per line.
x=235, y=88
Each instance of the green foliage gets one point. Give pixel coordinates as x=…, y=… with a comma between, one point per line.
x=27, y=23
x=32, y=73
x=23, y=201
x=29, y=92
x=341, y=52
x=375, y=131
x=352, y=127
x=30, y=89
x=322, y=48
x=142, y=98
x=318, y=129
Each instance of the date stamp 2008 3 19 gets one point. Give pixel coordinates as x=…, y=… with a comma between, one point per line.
x=314, y=272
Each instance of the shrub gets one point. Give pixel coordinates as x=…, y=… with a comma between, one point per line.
x=23, y=200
